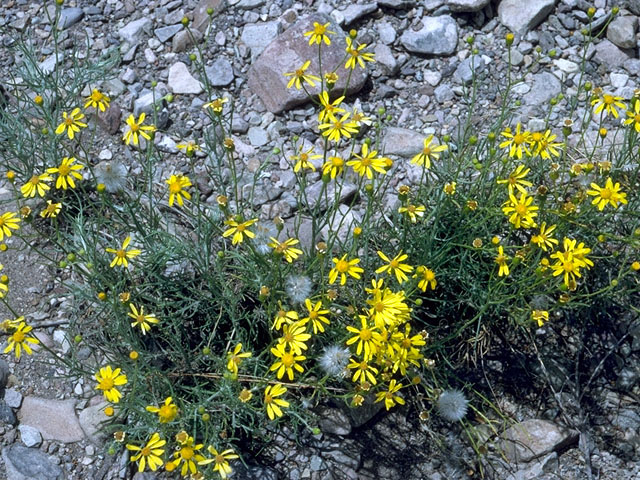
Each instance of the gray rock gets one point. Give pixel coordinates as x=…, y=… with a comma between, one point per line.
x=626, y=419
x=544, y=87
x=464, y=72
x=334, y=422
x=55, y=419
x=609, y=55
x=566, y=66
x=520, y=17
x=402, y=142
x=618, y=80
x=287, y=53
x=313, y=193
x=342, y=224
x=258, y=136
x=5, y=371
x=7, y=417
x=220, y=73
x=632, y=5
x=536, y=469
x=432, y=77
x=443, y=93
x=250, y=4
x=164, y=34
x=111, y=118
x=257, y=36
x=90, y=419
x=397, y=4
x=355, y=12
x=466, y=5
x=24, y=463
x=181, y=81
x=182, y=40
x=133, y=31
x=69, y=17
x=534, y=438
x=30, y=436
x=385, y=58
x=622, y=31
x=628, y=378
x=386, y=32
x=13, y=398
x=438, y=36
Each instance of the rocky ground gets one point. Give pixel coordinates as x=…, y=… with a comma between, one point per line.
x=423, y=72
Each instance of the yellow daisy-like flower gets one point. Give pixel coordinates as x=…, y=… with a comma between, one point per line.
x=319, y=34
x=36, y=184
x=108, y=381
x=367, y=162
x=520, y=211
x=570, y=261
x=395, y=266
x=8, y=221
x=366, y=337
x=216, y=105
x=187, y=454
x=71, y=122
x=388, y=308
x=136, y=128
x=544, y=238
x=428, y=153
x=220, y=461
x=336, y=128
x=449, y=188
x=543, y=144
x=303, y=159
x=167, y=412
x=427, y=278
x=177, y=189
x=501, y=259
x=516, y=142
x=122, y=254
x=286, y=248
x=329, y=108
x=274, y=404
x=239, y=230
x=315, y=315
x=633, y=118
x=333, y=167
x=293, y=336
x=356, y=55
x=149, y=454
x=245, y=395
x=189, y=147
x=235, y=357
x=140, y=319
x=516, y=180
x=609, y=194
x=300, y=76
x=287, y=362
x=51, y=210
x=19, y=340
x=390, y=397
x=284, y=317
x=344, y=267
x=363, y=371
x=540, y=317
x=97, y=100
x=67, y=171
x=608, y=104
x=413, y=212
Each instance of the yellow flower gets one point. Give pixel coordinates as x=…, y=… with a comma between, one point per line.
x=234, y=359
x=149, y=454
x=570, y=261
x=286, y=248
x=316, y=316
x=303, y=159
x=427, y=278
x=395, y=266
x=293, y=336
x=177, y=189
x=344, y=267
x=450, y=188
x=37, y=183
x=540, y=317
x=608, y=104
x=189, y=147
x=299, y=76
x=67, y=171
x=136, y=128
x=516, y=180
x=140, y=319
x=516, y=143
x=239, y=230
x=520, y=211
x=319, y=34
x=245, y=395
x=367, y=338
x=216, y=105
x=122, y=254
x=329, y=108
x=363, y=371
x=633, y=118
x=388, y=308
x=97, y=100
x=543, y=144
x=333, y=166
x=272, y=403
x=413, y=211
x=287, y=362
x=609, y=194
x=187, y=454
x=71, y=123
x=367, y=162
x=335, y=129
x=284, y=317
x=390, y=396
x=428, y=153
x=544, y=238
x=356, y=55
x=108, y=381
x=19, y=340
x=220, y=461
x=166, y=412
x=501, y=259
x=51, y=210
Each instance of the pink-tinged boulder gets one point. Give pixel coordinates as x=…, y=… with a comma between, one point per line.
x=54, y=419
x=288, y=52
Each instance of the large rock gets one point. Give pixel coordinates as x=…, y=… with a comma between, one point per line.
x=611, y=56
x=181, y=80
x=544, y=87
x=220, y=73
x=402, y=142
x=133, y=31
x=55, y=419
x=69, y=17
x=22, y=463
x=622, y=31
x=257, y=36
x=534, y=438
x=466, y=5
x=521, y=16
x=91, y=419
x=201, y=17
x=437, y=36
x=288, y=52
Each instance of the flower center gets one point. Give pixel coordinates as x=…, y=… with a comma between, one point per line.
x=186, y=453
x=165, y=411
x=241, y=228
x=521, y=209
x=121, y=253
x=518, y=139
x=605, y=193
x=342, y=266
x=68, y=121
x=35, y=180
x=135, y=127
x=608, y=99
x=394, y=263
x=568, y=266
x=426, y=151
x=64, y=170
x=288, y=360
x=220, y=459
x=175, y=187
x=379, y=307
x=18, y=337
x=106, y=384
x=365, y=334
x=145, y=452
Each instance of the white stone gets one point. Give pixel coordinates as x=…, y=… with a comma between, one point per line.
x=181, y=81
x=618, y=80
x=30, y=436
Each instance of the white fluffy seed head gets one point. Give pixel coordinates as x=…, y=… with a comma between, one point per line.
x=452, y=405
x=113, y=175
x=264, y=232
x=334, y=360
x=298, y=288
